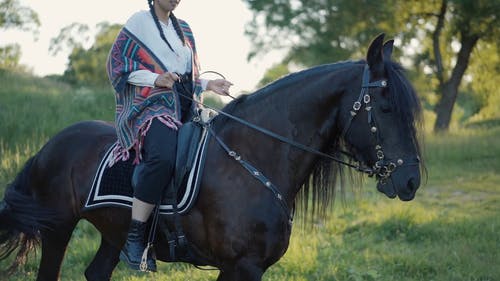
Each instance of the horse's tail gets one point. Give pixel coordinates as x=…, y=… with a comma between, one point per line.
x=21, y=219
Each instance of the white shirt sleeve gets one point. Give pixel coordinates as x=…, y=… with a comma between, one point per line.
x=143, y=78
x=146, y=78
x=204, y=83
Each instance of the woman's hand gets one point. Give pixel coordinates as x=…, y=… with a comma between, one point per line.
x=219, y=86
x=166, y=80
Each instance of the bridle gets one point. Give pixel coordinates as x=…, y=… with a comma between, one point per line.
x=383, y=167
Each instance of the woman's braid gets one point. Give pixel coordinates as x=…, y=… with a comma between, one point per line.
x=178, y=28
x=174, y=21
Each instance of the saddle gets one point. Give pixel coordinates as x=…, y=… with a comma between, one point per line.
x=112, y=186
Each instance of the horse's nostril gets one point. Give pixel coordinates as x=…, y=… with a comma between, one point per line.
x=413, y=184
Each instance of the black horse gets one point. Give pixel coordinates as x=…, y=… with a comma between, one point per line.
x=367, y=108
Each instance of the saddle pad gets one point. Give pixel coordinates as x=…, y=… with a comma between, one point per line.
x=112, y=186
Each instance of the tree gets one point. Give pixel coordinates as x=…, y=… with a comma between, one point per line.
x=9, y=56
x=442, y=34
x=15, y=16
x=316, y=31
x=452, y=31
x=276, y=71
x=485, y=83
x=86, y=65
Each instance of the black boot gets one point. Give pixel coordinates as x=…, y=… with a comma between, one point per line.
x=134, y=248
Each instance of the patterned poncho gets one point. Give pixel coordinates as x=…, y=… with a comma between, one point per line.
x=136, y=106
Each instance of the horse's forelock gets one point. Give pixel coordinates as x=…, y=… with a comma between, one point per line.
x=403, y=95
x=405, y=100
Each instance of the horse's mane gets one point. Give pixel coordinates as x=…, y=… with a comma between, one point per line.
x=289, y=79
x=403, y=96
x=327, y=178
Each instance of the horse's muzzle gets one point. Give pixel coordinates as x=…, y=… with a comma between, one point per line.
x=403, y=183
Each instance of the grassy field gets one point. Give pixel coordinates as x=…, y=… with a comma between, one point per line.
x=451, y=231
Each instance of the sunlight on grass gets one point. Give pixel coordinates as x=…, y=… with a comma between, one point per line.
x=451, y=231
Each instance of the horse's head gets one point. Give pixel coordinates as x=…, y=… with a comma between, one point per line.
x=380, y=124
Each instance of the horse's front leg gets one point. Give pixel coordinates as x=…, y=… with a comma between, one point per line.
x=245, y=269
x=112, y=223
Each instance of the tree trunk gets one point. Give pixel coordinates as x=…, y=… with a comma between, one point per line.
x=449, y=89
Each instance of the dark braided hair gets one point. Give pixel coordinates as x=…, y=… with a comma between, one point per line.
x=175, y=22
x=177, y=28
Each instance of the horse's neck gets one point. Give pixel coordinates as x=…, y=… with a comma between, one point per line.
x=311, y=120
x=303, y=112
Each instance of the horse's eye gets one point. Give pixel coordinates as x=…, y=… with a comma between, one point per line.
x=384, y=102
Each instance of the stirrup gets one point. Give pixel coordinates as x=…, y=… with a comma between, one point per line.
x=143, y=266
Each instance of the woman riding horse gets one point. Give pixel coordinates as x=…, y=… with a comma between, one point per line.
x=269, y=150
x=152, y=74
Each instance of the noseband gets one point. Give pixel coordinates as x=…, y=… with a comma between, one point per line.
x=383, y=168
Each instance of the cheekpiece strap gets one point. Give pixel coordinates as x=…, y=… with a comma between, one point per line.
x=374, y=84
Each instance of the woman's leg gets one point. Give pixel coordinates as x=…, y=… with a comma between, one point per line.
x=141, y=210
x=151, y=178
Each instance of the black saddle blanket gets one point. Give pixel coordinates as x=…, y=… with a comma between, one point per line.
x=112, y=186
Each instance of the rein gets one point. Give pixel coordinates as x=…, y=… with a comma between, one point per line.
x=279, y=137
x=256, y=174
x=364, y=96
x=383, y=168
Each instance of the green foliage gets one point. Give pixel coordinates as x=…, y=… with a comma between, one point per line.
x=13, y=15
x=449, y=232
x=476, y=17
x=485, y=74
x=316, y=31
x=272, y=74
x=9, y=56
x=33, y=109
x=87, y=65
x=213, y=100
x=72, y=36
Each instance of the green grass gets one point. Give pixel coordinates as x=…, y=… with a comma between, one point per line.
x=451, y=231
x=33, y=109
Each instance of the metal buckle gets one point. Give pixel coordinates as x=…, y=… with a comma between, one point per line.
x=366, y=98
x=356, y=106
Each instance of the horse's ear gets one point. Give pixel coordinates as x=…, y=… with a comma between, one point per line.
x=374, y=55
x=388, y=46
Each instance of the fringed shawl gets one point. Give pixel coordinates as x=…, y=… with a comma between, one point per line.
x=136, y=106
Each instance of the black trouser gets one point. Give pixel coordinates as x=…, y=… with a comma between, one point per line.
x=154, y=172
x=159, y=151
